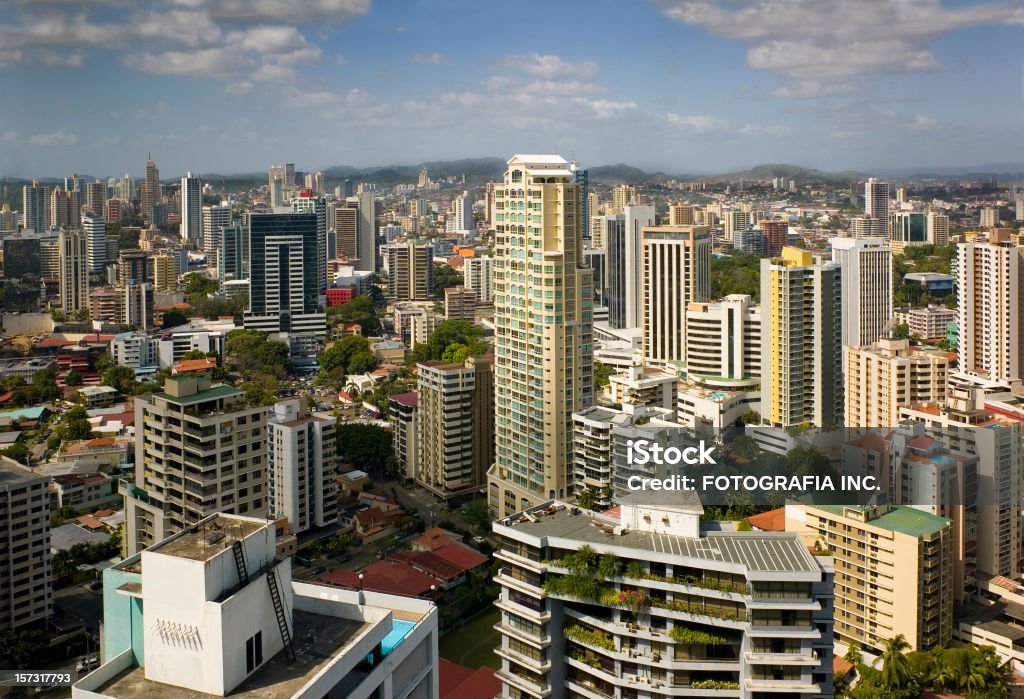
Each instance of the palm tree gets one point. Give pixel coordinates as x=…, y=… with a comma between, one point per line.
x=582, y=560
x=853, y=655
x=609, y=566
x=896, y=670
x=61, y=564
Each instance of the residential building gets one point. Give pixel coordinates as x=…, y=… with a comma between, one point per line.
x=74, y=269
x=165, y=272
x=403, y=410
x=25, y=554
x=887, y=375
x=623, y=195
x=214, y=219
x=868, y=227
x=723, y=342
x=937, y=229
x=191, y=195
x=149, y=191
x=640, y=385
x=302, y=462
x=676, y=271
x=283, y=287
x=459, y=303
x=930, y=323
x=198, y=334
x=202, y=449
x=95, y=229
x=461, y=219
x=223, y=578
x=866, y=267
x=233, y=254
x=990, y=290
x=801, y=338
x=137, y=305
x=543, y=359
x=478, y=273
x=988, y=217
x=35, y=207
x=893, y=571
x=692, y=612
x=776, y=235
x=876, y=199
x=749, y=241
x=135, y=350
x=455, y=426
x=410, y=270
x=415, y=321
x=627, y=275
x=737, y=220
x=306, y=202
x=133, y=266
x=681, y=215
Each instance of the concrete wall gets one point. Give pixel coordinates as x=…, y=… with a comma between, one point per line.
x=28, y=324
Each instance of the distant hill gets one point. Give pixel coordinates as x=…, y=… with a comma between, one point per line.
x=802, y=175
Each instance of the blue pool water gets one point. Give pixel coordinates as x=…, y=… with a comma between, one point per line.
x=399, y=630
x=717, y=397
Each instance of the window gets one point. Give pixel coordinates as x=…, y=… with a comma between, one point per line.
x=254, y=652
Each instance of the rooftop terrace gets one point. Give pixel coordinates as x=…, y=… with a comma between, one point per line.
x=208, y=538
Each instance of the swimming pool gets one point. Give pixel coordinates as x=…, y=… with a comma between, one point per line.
x=399, y=630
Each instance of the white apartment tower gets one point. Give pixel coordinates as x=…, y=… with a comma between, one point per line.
x=25, y=553
x=479, y=277
x=676, y=266
x=95, y=228
x=876, y=200
x=990, y=283
x=630, y=269
x=302, y=465
x=462, y=215
x=723, y=342
x=74, y=269
x=543, y=306
x=937, y=229
x=866, y=265
x=214, y=218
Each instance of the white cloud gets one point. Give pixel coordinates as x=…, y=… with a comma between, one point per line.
x=550, y=67
x=760, y=130
x=699, y=123
x=219, y=62
x=340, y=60
x=813, y=39
x=56, y=138
x=239, y=88
x=428, y=58
x=814, y=89
x=273, y=73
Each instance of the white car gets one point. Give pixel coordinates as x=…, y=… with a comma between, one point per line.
x=87, y=663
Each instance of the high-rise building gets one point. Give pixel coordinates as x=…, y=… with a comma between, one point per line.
x=610, y=234
x=214, y=218
x=689, y=612
x=455, y=424
x=776, y=234
x=114, y=210
x=749, y=241
x=543, y=356
x=96, y=197
x=1019, y=211
x=723, y=342
x=367, y=232
x=681, y=215
x=8, y=220
x=462, y=215
x=302, y=457
x=866, y=266
x=478, y=273
x=25, y=555
x=989, y=217
x=876, y=199
x=636, y=217
x=283, y=286
x=583, y=180
x=907, y=228
x=95, y=228
x=184, y=468
x=894, y=571
x=867, y=227
x=990, y=288
x=165, y=272
x=410, y=270
x=150, y=193
x=66, y=207
x=622, y=196
x=35, y=207
x=887, y=375
x=937, y=229
x=459, y=303
x=133, y=266
x=801, y=335
x=676, y=271
x=737, y=220
x=308, y=203
x=233, y=256
x=403, y=411
x=74, y=269
x=137, y=305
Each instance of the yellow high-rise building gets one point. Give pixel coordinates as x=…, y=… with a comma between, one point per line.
x=883, y=377
x=165, y=272
x=543, y=314
x=801, y=336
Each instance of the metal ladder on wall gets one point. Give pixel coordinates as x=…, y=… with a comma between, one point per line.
x=243, y=572
x=282, y=620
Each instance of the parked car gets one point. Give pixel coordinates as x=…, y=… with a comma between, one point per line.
x=87, y=663
x=319, y=570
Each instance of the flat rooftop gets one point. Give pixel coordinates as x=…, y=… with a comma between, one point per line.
x=318, y=639
x=900, y=519
x=765, y=552
x=212, y=393
x=208, y=538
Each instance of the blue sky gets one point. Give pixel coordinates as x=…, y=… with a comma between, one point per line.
x=684, y=86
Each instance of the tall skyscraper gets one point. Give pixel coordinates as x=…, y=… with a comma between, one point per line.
x=990, y=285
x=302, y=460
x=306, y=202
x=801, y=336
x=165, y=272
x=876, y=199
x=612, y=235
x=479, y=277
x=776, y=234
x=866, y=264
x=96, y=197
x=74, y=269
x=95, y=227
x=410, y=270
x=191, y=196
x=233, y=255
x=214, y=218
x=907, y=228
x=150, y=194
x=462, y=214
x=35, y=207
x=937, y=228
x=25, y=556
x=283, y=285
x=543, y=315
x=737, y=220
x=676, y=271
x=583, y=180
x=681, y=215
x=367, y=231
x=622, y=196
x=636, y=218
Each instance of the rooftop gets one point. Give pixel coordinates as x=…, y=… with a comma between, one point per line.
x=767, y=552
x=203, y=541
x=318, y=640
x=899, y=518
x=212, y=393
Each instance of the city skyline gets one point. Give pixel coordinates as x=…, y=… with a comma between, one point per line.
x=717, y=88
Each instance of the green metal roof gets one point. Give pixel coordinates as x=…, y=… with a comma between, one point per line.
x=900, y=519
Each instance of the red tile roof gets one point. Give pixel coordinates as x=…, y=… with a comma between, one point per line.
x=410, y=399
x=460, y=556
x=433, y=539
x=391, y=577
x=204, y=364
x=90, y=522
x=460, y=682
x=770, y=521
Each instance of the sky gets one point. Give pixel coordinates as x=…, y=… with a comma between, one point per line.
x=681, y=86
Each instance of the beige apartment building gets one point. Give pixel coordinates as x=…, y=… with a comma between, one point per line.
x=885, y=376
x=894, y=571
x=455, y=425
x=25, y=584
x=165, y=272
x=410, y=270
x=543, y=317
x=201, y=449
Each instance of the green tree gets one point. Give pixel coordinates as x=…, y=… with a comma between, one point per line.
x=340, y=353
x=199, y=285
x=602, y=373
x=896, y=671
x=193, y=354
x=477, y=514
x=364, y=446
x=445, y=277
x=453, y=331
x=17, y=451
x=121, y=378
x=73, y=378
x=173, y=317
x=359, y=310
x=362, y=362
